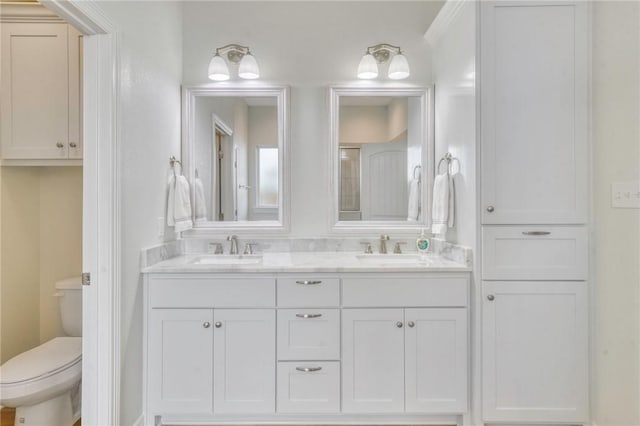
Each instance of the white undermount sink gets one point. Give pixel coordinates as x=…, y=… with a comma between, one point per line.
x=228, y=259
x=391, y=259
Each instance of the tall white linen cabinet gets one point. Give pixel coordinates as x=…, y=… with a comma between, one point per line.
x=533, y=85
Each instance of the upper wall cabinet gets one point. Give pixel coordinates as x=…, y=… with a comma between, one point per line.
x=41, y=90
x=534, y=121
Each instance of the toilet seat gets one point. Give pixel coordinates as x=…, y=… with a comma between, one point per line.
x=41, y=372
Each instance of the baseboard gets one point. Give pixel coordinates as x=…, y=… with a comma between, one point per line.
x=139, y=421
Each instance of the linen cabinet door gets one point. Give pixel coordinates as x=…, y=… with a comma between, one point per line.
x=436, y=360
x=373, y=360
x=535, y=347
x=534, y=79
x=244, y=361
x=34, y=105
x=180, y=361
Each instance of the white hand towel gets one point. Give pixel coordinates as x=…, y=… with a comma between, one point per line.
x=414, y=200
x=179, y=204
x=201, y=204
x=442, y=211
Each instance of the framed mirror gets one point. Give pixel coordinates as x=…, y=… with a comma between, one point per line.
x=381, y=158
x=235, y=151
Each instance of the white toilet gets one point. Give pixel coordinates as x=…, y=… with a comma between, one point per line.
x=43, y=383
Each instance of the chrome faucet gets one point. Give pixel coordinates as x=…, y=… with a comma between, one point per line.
x=233, y=249
x=383, y=243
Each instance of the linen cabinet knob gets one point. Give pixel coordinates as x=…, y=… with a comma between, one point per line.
x=490, y=297
x=206, y=325
x=411, y=324
x=218, y=324
x=399, y=324
x=59, y=145
x=490, y=209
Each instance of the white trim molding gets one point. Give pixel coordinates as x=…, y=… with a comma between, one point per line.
x=101, y=210
x=27, y=12
x=445, y=17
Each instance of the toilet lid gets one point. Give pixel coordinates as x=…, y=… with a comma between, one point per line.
x=43, y=360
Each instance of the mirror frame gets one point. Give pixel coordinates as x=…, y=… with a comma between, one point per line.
x=281, y=93
x=425, y=94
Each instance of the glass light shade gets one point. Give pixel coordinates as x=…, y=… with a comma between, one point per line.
x=248, y=67
x=368, y=67
x=399, y=67
x=218, y=70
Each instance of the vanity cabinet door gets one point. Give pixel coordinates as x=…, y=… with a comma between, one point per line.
x=244, y=361
x=180, y=370
x=535, y=352
x=534, y=121
x=373, y=360
x=436, y=360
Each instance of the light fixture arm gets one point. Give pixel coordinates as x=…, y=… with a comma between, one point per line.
x=383, y=51
x=233, y=52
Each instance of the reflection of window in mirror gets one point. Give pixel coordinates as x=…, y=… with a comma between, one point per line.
x=267, y=176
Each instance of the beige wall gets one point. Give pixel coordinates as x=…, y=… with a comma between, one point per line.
x=616, y=238
x=363, y=124
x=41, y=237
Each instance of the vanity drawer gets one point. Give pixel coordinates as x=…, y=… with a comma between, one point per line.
x=308, y=292
x=308, y=334
x=405, y=292
x=534, y=252
x=308, y=387
x=203, y=292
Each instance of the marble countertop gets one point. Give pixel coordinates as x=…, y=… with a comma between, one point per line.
x=284, y=262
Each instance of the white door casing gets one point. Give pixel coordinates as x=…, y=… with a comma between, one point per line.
x=100, y=227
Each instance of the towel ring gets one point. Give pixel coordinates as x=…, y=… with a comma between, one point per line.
x=449, y=159
x=172, y=163
x=418, y=169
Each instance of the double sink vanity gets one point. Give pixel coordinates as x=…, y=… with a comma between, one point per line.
x=306, y=336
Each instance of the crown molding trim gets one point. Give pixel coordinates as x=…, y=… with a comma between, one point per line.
x=445, y=17
x=27, y=12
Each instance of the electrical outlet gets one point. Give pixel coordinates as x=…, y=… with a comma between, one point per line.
x=160, y=225
x=625, y=195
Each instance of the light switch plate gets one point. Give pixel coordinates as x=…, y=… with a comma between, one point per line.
x=625, y=195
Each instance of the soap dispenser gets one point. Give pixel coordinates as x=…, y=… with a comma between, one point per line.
x=423, y=243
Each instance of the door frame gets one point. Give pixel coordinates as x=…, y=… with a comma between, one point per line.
x=100, y=211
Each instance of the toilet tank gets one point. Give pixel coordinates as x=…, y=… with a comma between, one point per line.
x=69, y=292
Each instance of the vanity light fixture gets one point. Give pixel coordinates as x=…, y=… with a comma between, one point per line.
x=380, y=54
x=236, y=54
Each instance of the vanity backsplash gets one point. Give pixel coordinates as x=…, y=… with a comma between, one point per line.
x=154, y=254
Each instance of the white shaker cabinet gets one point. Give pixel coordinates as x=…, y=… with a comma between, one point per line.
x=535, y=351
x=405, y=360
x=534, y=112
x=41, y=111
x=180, y=372
x=244, y=361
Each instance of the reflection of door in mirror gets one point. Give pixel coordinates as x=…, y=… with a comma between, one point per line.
x=380, y=143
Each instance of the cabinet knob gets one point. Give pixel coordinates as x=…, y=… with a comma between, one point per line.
x=490, y=209
x=490, y=297
x=411, y=324
x=206, y=324
x=218, y=324
x=73, y=144
x=399, y=324
x=59, y=145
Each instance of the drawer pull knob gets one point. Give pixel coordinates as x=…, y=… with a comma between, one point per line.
x=490, y=209
x=536, y=233
x=218, y=324
x=399, y=324
x=411, y=324
x=59, y=145
x=308, y=369
x=308, y=315
x=73, y=144
x=491, y=297
x=206, y=324
x=309, y=282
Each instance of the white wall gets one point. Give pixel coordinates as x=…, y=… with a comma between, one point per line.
x=308, y=45
x=150, y=49
x=455, y=118
x=616, y=237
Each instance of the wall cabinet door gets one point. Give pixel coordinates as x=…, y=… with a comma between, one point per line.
x=534, y=120
x=436, y=360
x=41, y=111
x=180, y=370
x=245, y=361
x=372, y=360
x=535, y=347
